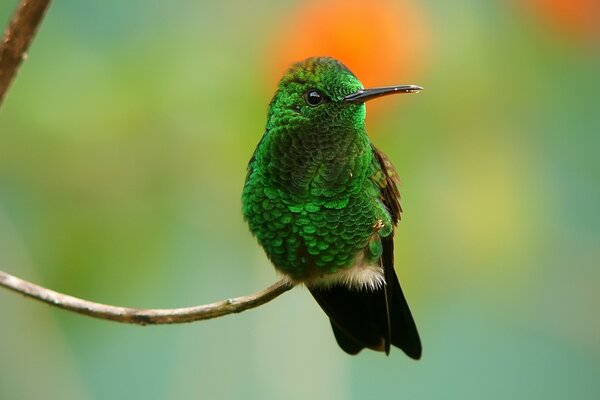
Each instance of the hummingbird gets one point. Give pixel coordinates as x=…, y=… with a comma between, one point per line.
x=323, y=202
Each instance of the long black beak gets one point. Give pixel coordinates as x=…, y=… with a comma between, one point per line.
x=367, y=94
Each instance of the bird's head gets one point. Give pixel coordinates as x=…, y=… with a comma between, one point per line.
x=322, y=92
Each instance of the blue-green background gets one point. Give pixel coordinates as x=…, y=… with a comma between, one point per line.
x=123, y=145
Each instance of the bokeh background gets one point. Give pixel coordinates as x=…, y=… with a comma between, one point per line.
x=123, y=146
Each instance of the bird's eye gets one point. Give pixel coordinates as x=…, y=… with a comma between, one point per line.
x=313, y=98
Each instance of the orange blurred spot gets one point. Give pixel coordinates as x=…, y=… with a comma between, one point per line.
x=577, y=18
x=381, y=41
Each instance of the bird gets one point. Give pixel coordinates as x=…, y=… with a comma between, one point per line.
x=323, y=202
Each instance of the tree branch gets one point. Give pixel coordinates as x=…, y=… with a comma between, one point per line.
x=17, y=37
x=143, y=316
x=13, y=50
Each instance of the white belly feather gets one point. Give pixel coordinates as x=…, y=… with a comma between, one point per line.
x=360, y=276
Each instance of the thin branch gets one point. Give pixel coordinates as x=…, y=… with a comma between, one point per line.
x=17, y=37
x=13, y=50
x=143, y=316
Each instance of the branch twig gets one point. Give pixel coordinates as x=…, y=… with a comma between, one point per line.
x=13, y=50
x=142, y=316
x=17, y=37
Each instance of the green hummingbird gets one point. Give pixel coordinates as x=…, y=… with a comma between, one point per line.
x=323, y=202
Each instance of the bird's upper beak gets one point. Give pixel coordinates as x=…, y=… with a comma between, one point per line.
x=367, y=94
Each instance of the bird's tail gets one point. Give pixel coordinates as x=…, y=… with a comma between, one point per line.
x=369, y=318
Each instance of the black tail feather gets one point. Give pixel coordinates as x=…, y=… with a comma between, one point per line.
x=404, y=330
x=371, y=319
x=358, y=317
x=348, y=344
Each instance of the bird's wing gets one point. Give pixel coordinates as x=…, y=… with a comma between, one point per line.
x=402, y=329
x=386, y=178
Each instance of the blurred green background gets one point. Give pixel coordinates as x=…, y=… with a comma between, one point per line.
x=123, y=146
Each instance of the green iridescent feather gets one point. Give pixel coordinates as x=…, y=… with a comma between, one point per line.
x=315, y=190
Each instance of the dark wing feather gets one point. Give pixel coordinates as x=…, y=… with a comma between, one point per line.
x=404, y=332
x=388, y=184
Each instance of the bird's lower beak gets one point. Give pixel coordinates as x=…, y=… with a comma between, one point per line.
x=367, y=94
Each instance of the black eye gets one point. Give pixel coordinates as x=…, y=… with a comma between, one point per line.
x=313, y=98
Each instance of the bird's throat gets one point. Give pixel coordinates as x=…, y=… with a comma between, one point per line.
x=319, y=162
